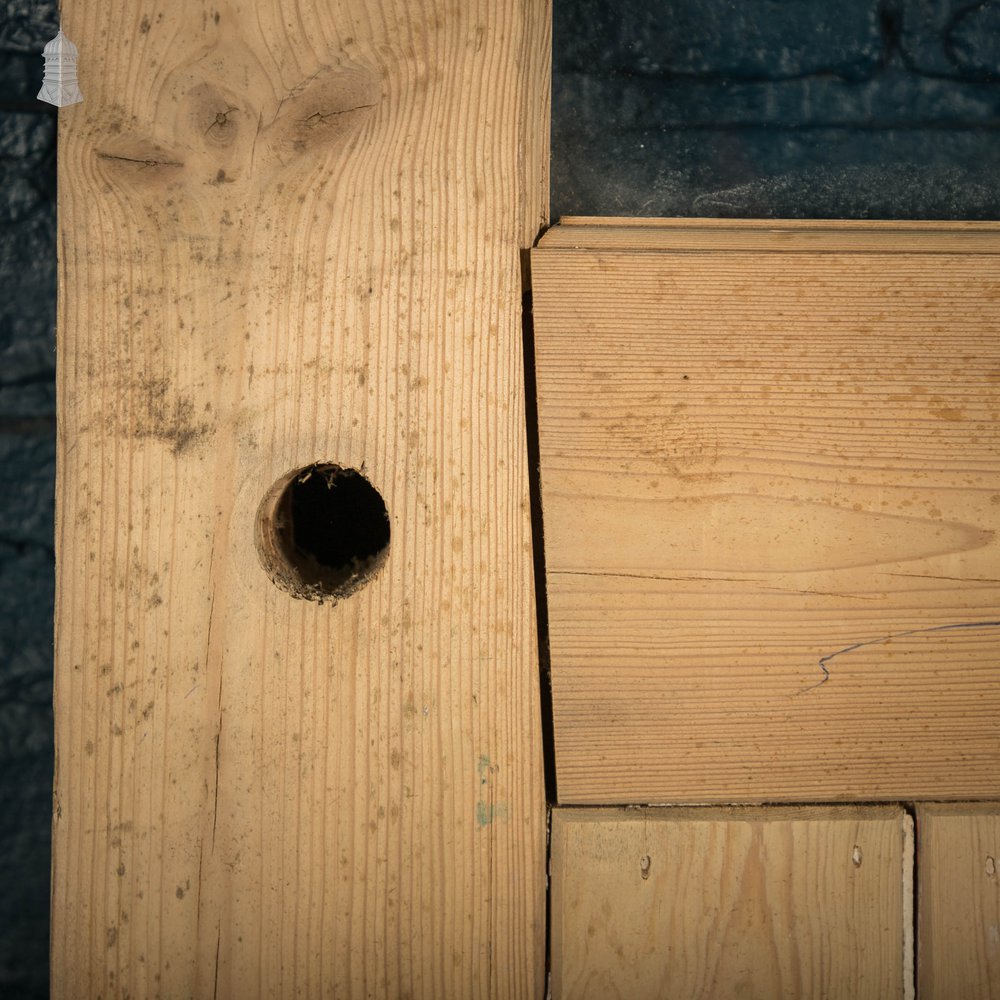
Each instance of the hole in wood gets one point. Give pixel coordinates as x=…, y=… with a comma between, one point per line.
x=322, y=532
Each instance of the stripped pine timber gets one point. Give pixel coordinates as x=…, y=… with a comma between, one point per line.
x=713, y=904
x=958, y=858
x=290, y=232
x=770, y=471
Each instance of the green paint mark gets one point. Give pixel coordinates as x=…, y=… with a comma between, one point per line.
x=484, y=767
x=486, y=814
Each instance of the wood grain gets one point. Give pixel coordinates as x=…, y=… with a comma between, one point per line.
x=290, y=232
x=959, y=904
x=771, y=491
x=718, y=904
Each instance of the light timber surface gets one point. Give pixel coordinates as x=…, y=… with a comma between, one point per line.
x=289, y=232
x=958, y=858
x=771, y=494
x=716, y=904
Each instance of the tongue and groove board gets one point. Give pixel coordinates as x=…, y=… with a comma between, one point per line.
x=958, y=906
x=770, y=474
x=773, y=903
x=290, y=232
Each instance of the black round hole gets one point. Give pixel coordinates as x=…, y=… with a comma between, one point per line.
x=322, y=532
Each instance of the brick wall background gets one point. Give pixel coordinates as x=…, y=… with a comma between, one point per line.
x=796, y=108
x=777, y=108
x=27, y=475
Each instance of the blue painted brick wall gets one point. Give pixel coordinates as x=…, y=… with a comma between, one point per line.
x=777, y=108
x=27, y=475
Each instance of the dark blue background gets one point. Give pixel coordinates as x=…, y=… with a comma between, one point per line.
x=777, y=108
x=27, y=475
x=768, y=108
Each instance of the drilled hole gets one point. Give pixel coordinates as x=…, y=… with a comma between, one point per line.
x=322, y=532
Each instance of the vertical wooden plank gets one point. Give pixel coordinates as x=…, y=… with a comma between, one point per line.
x=289, y=233
x=958, y=857
x=720, y=903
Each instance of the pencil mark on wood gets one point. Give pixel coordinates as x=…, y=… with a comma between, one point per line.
x=825, y=660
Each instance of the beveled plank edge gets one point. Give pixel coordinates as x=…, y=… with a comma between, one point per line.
x=705, y=222
x=785, y=236
x=814, y=812
x=590, y=796
x=960, y=807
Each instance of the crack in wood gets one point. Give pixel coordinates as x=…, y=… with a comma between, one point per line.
x=321, y=117
x=653, y=576
x=139, y=160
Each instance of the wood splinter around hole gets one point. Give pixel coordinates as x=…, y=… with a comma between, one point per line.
x=322, y=532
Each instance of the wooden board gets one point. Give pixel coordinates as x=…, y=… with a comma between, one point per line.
x=290, y=232
x=718, y=904
x=958, y=856
x=771, y=492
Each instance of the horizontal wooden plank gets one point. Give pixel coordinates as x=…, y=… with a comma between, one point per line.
x=771, y=488
x=726, y=903
x=958, y=858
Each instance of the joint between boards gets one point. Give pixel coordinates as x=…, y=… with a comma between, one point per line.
x=525, y=258
x=911, y=887
x=541, y=602
x=538, y=550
